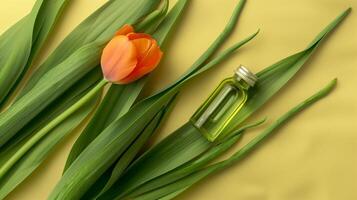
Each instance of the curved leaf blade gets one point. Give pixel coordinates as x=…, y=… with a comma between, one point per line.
x=37, y=154
x=22, y=42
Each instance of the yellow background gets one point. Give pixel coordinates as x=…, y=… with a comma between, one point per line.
x=311, y=158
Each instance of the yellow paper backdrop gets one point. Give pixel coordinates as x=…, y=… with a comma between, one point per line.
x=311, y=158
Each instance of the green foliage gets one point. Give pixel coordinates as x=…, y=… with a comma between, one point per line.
x=64, y=78
x=37, y=154
x=102, y=162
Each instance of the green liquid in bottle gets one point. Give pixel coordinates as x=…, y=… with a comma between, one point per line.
x=224, y=103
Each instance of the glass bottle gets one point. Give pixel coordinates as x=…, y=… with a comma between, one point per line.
x=224, y=103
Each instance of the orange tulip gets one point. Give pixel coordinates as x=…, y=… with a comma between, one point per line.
x=129, y=56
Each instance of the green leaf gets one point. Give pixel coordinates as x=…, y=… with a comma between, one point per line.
x=173, y=194
x=210, y=154
x=33, y=160
x=49, y=127
x=105, y=182
x=21, y=43
x=188, y=181
x=119, y=99
x=220, y=39
x=85, y=170
x=52, y=85
x=204, y=59
x=54, y=109
x=37, y=154
x=152, y=21
x=116, y=103
x=270, y=79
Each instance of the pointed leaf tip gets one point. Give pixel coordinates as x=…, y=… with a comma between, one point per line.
x=346, y=13
x=348, y=10
x=330, y=86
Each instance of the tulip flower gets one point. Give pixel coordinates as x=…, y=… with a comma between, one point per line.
x=129, y=56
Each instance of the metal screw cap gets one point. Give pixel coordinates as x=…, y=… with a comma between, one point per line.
x=249, y=77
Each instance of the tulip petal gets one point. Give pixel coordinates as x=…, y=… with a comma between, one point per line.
x=146, y=63
x=142, y=46
x=125, y=30
x=134, y=36
x=119, y=59
x=152, y=57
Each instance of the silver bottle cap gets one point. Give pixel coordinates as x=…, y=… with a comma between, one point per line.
x=249, y=77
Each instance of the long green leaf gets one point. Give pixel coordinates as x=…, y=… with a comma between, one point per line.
x=271, y=79
x=116, y=103
x=50, y=113
x=220, y=39
x=173, y=194
x=105, y=182
x=30, y=161
x=21, y=43
x=195, y=177
x=36, y=155
x=188, y=168
x=51, y=86
x=120, y=98
x=152, y=21
x=125, y=158
x=204, y=59
x=75, y=182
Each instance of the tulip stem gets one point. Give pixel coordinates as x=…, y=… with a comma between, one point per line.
x=50, y=126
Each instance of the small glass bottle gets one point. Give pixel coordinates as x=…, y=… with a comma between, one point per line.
x=224, y=103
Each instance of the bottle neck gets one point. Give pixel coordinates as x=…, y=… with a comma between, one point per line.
x=241, y=82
